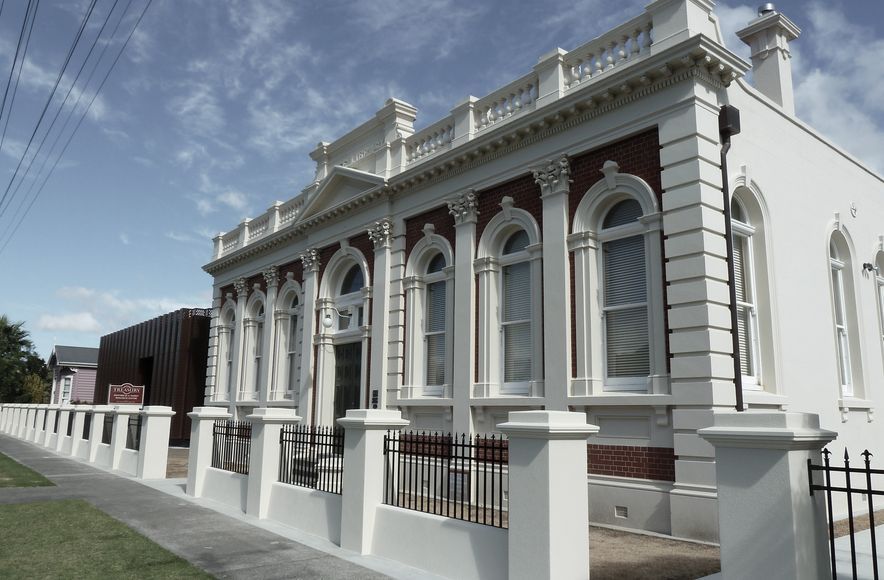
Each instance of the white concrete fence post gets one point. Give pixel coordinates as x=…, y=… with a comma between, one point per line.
x=22, y=422
x=153, y=449
x=202, y=419
x=40, y=434
x=64, y=418
x=4, y=416
x=771, y=527
x=120, y=432
x=548, y=498
x=51, y=414
x=96, y=429
x=267, y=424
x=77, y=432
x=364, y=473
x=30, y=432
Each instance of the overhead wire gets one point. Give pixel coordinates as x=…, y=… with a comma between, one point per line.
x=48, y=101
x=79, y=122
x=15, y=61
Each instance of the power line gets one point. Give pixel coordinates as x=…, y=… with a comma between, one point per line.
x=14, y=61
x=79, y=122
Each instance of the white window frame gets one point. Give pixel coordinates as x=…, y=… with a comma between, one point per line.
x=879, y=289
x=842, y=329
x=505, y=260
x=253, y=359
x=67, y=385
x=745, y=231
x=288, y=347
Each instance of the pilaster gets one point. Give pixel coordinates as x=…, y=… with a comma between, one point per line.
x=269, y=361
x=310, y=262
x=236, y=380
x=381, y=235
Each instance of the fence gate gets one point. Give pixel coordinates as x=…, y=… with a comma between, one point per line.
x=855, y=480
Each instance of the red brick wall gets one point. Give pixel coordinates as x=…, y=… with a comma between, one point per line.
x=629, y=461
x=414, y=228
x=525, y=194
x=296, y=267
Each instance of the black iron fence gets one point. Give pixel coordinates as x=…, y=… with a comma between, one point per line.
x=844, y=483
x=107, y=429
x=133, y=433
x=312, y=456
x=231, y=446
x=87, y=425
x=456, y=476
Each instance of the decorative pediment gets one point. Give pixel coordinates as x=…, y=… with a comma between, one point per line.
x=341, y=186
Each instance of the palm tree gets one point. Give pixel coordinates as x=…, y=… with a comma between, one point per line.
x=16, y=355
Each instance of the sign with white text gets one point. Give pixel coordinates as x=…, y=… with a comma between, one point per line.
x=125, y=394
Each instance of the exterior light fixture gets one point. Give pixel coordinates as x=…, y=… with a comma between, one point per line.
x=869, y=267
x=327, y=319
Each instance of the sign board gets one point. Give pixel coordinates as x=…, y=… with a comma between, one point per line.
x=125, y=394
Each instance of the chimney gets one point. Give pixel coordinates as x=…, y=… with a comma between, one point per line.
x=768, y=36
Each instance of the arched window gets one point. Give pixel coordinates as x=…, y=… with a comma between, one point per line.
x=292, y=344
x=744, y=282
x=435, y=322
x=226, y=350
x=839, y=268
x=879, y=287
x=625, y=296
x=257, y=343
x=349, y=300
x=516, y=309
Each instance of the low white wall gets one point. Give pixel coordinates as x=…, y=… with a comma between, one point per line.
x=66, y=444
x=313, y=511
x=646, y=502
x=226, y=487
x=129, y=462
x=103, y=455
x=52, y=438
x=83, y=450
x=444, y=546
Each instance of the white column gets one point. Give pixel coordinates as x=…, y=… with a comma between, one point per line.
x=21, y=428
x=96, y=429
x=51, y=436
x=213, y=361
x=555, y=184
x=465, y=212
x=268, y=359
x=772, y=526
x=153, y=449
x=4, y=416
x=267, y=424
x=202, y=419
x=64, y=418
x=77, y=432
x=310, y=263
x=381, y=235
x=548, y=501
x=40, y=436
x=29, y=422
x=364, y=473
x=236, y=378
x=120, y=431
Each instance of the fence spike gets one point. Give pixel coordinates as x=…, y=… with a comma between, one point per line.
x=846, y=455
x=867, y=454
x=826, y=452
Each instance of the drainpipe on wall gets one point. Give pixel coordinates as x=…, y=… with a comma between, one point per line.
x=728, y=126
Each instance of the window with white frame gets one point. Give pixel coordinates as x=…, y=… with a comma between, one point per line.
x=517, y=346
x=625, y=297
x=879, y=286
x=292, y=345
x=226, y=356
x=744, y=283
x=258, y=349
x=435, y=323
x=66, y=389
x=349, y=301
x=837, y=266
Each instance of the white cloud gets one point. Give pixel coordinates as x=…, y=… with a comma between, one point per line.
x=730, y=20
x=198, y=110
x=124, y=239
x=233, y=199
x=77, y=322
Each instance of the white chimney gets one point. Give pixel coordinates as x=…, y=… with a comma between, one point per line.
x=768, y=36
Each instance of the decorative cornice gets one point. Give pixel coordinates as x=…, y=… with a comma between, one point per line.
x=554, y=177
x=271, y=276
x=464, y=208
x=310, y=260
x=381, y=234
x=241, y=288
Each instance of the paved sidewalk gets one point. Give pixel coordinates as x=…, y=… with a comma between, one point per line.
x=226, y=545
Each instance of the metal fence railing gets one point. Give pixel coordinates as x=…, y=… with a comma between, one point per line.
x=231, y=446
x=312, y=456
x=107, y=429
x=456, y=476
x=87, y=425
x=849, y=486
x=133, y=433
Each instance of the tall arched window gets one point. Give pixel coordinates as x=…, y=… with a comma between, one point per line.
x=226, y=349
x=350, y=301
x=744, y=282
x=625, y=296
x=292, y=344
x=435, y=323
x=879, y=288
x=839, y=267
x=515, y=312
x=258, y=350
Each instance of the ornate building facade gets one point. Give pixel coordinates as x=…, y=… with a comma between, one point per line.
x=560, y=243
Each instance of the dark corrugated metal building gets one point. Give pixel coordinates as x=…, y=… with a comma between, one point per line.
x=167, y=355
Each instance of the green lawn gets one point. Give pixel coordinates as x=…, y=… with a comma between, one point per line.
x=73, y=539
x=14, y=474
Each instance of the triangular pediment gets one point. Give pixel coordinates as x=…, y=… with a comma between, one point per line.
x=342, y=184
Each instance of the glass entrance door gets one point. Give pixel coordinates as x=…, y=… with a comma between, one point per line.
x=348, y=374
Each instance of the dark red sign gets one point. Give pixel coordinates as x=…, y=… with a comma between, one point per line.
x=125, y=394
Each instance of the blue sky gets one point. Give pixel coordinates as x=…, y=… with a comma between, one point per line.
x=210, y=114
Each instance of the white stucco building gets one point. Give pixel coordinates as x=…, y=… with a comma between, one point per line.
x=560, y=243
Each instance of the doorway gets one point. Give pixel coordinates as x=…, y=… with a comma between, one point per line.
x=348, y=377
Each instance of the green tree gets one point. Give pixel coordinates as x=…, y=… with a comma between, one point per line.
x=17, y=361
x=34, y=389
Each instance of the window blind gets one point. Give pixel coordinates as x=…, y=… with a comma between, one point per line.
x=626, y=312
x=624, y=265
x=628, y=353
x=516, y=323
x=435, y=333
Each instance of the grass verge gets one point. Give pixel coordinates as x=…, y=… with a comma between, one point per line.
x=73, y=539
x=14, y=474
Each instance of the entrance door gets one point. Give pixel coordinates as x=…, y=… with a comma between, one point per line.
x=348, y=375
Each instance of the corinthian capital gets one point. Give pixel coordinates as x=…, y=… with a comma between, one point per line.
x=464, y=208
x=271, y=276
x=381, y=234
x=310, y=260
x=554, y=177
x=241, y=287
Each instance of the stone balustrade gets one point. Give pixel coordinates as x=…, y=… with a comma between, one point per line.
x=432, y=139
x=625, y=43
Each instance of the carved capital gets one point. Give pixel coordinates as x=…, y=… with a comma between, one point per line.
x=464, y=208
x=554, y=177
x=381, y=234
x=310, y=260
x=271, y=276
x=241, y=287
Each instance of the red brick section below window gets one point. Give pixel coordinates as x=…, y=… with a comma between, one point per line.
x=628, y=461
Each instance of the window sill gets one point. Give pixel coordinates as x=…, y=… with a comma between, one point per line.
x=759, y=397
x=622, y=398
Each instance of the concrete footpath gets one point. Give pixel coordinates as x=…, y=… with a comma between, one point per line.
x=224, y=544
